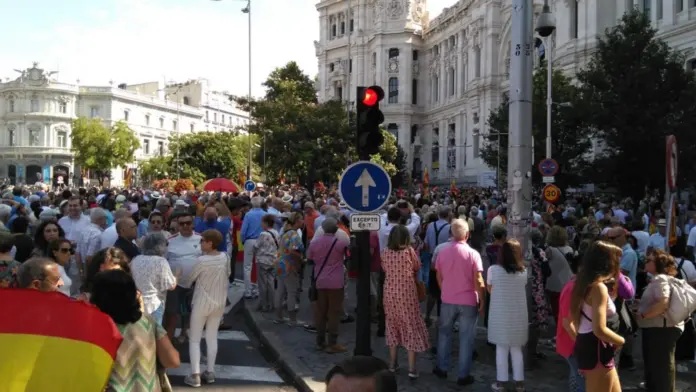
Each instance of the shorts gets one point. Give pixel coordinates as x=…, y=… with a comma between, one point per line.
x=179, y=301
x=591, y=353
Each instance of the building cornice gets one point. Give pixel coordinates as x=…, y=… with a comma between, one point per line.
x=144, y=100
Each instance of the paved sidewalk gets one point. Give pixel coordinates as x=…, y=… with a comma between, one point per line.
x=294, y=348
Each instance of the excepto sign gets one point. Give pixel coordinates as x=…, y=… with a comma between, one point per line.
x=365, y=222
x=551, y=193
x=548, y=167
x=548, y=180
x=672, y=162
x=365, y=186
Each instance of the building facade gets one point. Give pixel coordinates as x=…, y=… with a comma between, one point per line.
x=36, y=114
x=443, y=76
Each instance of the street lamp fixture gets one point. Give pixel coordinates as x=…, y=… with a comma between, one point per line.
x=247, y=10
x=546, y=25
x=563, y=104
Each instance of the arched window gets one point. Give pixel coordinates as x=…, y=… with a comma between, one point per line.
x=393, y=90
x=393, y=53
x=12, y=105
x=436, y=88
x=186, y=100
x=450, y=81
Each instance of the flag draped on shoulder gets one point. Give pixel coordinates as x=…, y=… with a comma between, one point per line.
x=53, y=343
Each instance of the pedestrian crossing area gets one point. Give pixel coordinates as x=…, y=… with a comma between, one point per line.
x=239, y=365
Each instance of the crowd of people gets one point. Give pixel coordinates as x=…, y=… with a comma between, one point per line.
x=596, y=268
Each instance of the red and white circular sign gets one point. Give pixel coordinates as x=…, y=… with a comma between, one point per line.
x=672, y=161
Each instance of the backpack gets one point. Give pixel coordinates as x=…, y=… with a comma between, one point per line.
x=682, y=300
x=680, y=270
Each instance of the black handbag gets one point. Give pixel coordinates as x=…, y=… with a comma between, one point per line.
x=313, y=294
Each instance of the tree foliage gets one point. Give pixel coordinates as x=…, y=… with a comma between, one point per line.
x=99, y=148
x=638, y=92
x=303, y=138
x=392, y=158
x=571, y=141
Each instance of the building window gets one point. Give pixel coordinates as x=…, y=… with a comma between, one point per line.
x=476, y=142
x=62, y=139
x=147, y=120
x=175, y=125
x=33, y=137
x=435, y=152
x=451, y=41
x=215, y=118
x=331, y=67
x=414, y=92
x=63, y=107
x=393, y=90
x=394, y=130
x=126, y=115
x=94, y=112
x=207, y=116
x=161, y=122
x=352, y=25
x=680, y=6
x=646, y=7
x=343, y=28
x=450, y=80
x=34, y=105
x=659, y=10
x=186, y=100
x=436, y=88
x=12, y=105
x=339, y=93
x=146, y=146
x=477, y=59
x=333, y=30
x=350, y=65
x=436, y=50
x=191, y=127
x=160, y=148
x=12, y=137
x=374, y=59
x=415, y=55
x=393, y=53
x=574, y=19
x=223, y=120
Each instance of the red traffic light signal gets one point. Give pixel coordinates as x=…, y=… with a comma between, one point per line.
x=372, y=95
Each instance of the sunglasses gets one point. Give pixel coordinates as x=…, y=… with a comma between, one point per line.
x=67, y=250
x=186, y=223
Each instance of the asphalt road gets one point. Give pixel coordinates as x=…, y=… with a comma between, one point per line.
x=242, y=364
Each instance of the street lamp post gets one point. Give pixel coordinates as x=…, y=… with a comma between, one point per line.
x=546, y=25
x=247, y=10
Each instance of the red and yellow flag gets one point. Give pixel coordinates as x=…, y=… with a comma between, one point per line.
x=426, y=177
x=53, y=343
x=453, y=187
x=242, y=177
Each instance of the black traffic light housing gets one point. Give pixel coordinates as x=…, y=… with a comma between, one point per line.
x=369, y=118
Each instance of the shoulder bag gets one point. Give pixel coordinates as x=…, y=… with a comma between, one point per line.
x=420, y=285
x=313, y=293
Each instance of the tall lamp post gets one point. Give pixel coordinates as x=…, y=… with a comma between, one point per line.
x=546, y=25
x=247, y=10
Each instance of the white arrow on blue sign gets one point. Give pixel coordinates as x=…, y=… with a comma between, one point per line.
x=365, y=186
x=249, y=186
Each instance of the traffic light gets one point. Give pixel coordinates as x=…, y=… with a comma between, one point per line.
x=369, y=117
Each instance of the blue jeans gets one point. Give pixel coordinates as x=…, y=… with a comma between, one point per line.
x=467, y=317
x=158, y=313
x=576, y=381
x=424, y=272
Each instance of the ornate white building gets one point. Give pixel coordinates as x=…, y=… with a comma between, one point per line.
x=36, y=113
x=442, y=76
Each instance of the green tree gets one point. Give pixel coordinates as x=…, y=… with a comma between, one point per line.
x=392, y=158
x=155, y=168
x=638, y=92
x=570, y=141
x=101, y=149
x=205, y=155
x=302, y=138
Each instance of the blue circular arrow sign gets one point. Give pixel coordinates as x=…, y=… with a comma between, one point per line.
x=249, y=186
x=365, y=186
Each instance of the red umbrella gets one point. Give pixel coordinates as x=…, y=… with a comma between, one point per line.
x=220, y=184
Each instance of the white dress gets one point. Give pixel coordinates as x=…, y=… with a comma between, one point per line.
x=507, y=319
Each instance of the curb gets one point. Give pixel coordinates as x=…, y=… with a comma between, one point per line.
x=299, y=372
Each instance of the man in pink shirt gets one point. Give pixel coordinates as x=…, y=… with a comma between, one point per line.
x=459, y=275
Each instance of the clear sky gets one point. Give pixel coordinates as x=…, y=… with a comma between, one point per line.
x=135, y=41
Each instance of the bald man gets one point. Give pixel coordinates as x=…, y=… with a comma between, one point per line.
x=127, y=231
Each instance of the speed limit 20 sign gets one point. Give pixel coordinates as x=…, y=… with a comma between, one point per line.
x=551, y=193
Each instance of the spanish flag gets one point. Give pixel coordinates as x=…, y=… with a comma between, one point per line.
x=53, y=343
x=426, y=177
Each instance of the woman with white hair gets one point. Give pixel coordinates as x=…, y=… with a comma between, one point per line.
x=152, y=274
